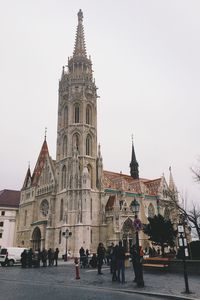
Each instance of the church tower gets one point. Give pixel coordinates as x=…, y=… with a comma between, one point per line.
x=78, y=165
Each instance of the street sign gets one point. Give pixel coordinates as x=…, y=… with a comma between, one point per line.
x=137, y=224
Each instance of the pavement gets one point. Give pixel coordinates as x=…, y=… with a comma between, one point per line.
x=157, y=282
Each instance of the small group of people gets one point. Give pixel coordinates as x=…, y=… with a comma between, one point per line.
x=84, y=257
x=31, y=258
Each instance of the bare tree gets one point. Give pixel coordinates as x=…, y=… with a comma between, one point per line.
x=192, y=215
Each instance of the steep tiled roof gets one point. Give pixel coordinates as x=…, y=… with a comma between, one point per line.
x=110, y=203
x=9, y=198
x=125, y=182
x=40, y=162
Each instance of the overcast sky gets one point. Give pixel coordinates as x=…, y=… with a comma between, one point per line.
x=146, y=61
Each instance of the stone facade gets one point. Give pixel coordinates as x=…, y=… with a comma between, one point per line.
x=73, y=193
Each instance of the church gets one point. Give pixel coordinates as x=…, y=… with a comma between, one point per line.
x=71, y=201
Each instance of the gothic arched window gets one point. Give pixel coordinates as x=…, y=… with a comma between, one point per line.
x=76, y=113
x=63, y=179
x=75, y=142
x=88, y=145
x=65, y=146
x=88, y=115
x=60, y=236
x=166, y=213
x=90, y=175
x=61, y=210
x=65, y=116
x=151, y=211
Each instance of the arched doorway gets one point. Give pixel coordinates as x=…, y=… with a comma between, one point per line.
x=36, y=239
x=128, y=234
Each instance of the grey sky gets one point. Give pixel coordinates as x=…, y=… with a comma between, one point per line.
x=146, y=63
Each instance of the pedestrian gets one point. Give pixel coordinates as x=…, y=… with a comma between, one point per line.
x=114, y=263
x=24, y=258
x=82, y=255
x=120, y=254
x=52, y=257
x=56, y=257
x=111, y=257
x=49, y=257
x=30, y=258
x=133, y=252
x=44, y=255
x=100, y=257
x=38, y=258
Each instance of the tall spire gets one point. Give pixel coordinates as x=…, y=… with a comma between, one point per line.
x=134, y=170
x=79, y=48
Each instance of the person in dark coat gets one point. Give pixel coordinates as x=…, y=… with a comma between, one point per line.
x=49, y=256
x=82, y=255
x=120, y=255
x=44, y=255
x=114, y=263
x=30, y=258
x=56, y=256
x=24, y=258
x=134, y=258
x=100, y=257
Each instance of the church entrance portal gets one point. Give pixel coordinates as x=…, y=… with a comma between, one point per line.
x=128, y=235
x=36, y=239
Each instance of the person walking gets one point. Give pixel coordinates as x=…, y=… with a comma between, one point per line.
x=49, y=257
x=24, y=258
x=114, y=263
x=133, y=252
x=30, y=258
x=56, y=257
x=44, y=255
x=120, y=254
x=100, y=257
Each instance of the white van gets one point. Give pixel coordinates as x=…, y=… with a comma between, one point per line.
x=10, y=256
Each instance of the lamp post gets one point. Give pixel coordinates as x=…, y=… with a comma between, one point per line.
x=183, y=250
x=135, y=207
x=67, y=234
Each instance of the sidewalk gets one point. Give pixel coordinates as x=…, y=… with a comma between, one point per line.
x=156, y=282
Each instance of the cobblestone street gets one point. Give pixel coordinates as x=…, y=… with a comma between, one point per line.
x=156, y=283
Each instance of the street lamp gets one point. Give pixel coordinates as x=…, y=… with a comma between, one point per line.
x=67, y=234
x=135, y=207
x=183, y=250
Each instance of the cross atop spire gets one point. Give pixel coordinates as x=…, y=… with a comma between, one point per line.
x=79, y=48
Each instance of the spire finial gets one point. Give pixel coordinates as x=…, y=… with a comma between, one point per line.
x=132, y=138
x=79, y=48
x=80, y=16
x=29, y=164
x=45, y=133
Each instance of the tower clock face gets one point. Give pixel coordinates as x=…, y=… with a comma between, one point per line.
x=44, y=208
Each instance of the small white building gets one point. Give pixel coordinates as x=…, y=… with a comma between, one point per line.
x=9, y=206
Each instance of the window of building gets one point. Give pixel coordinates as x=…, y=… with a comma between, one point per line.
x=3, y=213
x=60, y=236
x=1, y=224
x=91, y=208
x=88, y=145
x=1, y=234
x=76, y=113
x=151, y=211
x=65, y=116
x=88, y=115
x=61, y=210
x=25, y=217
x=65, y=146
x=75, y=143
x=63, y=182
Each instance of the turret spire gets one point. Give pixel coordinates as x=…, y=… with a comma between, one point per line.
x=79, y=48
x=134, y=164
